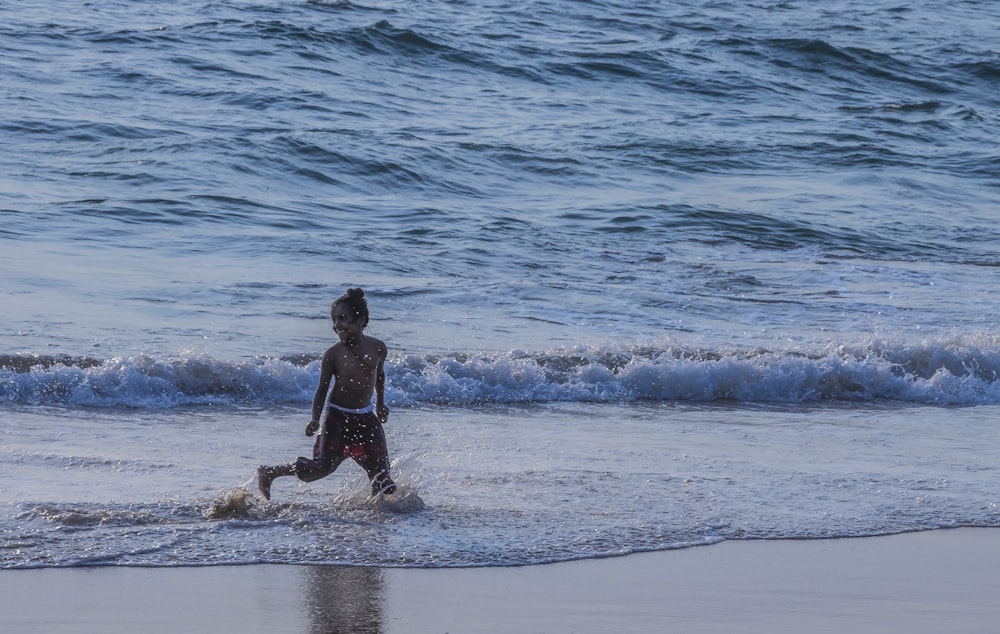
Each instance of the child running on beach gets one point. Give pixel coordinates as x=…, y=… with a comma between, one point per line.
x=348, y=421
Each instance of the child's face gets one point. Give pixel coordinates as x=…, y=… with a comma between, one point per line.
x=346, y=323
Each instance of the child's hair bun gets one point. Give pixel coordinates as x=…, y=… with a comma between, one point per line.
x=355, y=293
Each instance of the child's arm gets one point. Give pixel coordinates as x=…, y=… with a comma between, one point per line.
x=319, y=398
x=380, y=407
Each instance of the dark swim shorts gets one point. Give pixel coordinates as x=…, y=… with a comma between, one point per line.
x=349, y=435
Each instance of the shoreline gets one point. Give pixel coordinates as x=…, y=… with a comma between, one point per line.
x=931, y=581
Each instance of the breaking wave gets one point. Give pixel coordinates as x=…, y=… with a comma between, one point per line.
x=953, y=372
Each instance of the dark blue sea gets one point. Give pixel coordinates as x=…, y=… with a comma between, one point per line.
x=652, y=274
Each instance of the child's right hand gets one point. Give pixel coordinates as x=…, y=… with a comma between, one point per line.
x=312, y=428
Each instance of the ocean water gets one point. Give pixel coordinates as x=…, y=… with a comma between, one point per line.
x=653, y=275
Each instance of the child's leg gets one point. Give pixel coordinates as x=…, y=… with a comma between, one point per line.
x=382, y=483
x=325, y=460
x=375, y=462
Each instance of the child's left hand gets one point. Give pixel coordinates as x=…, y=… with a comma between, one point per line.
x=382, y=412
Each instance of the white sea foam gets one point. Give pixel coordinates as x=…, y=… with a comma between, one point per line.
x=952, y=372
x=517, y=485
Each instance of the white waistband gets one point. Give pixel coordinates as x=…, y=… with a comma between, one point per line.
x=364, y=410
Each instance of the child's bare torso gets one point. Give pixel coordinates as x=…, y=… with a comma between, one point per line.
x=355, y=371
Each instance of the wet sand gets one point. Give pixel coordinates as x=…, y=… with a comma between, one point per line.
x=937, y=581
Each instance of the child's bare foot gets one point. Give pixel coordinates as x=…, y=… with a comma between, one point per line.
x=265, y=476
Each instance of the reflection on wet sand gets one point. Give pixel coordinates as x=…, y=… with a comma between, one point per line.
x=344, y=599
